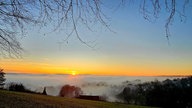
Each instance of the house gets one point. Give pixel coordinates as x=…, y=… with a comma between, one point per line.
x=89, y=97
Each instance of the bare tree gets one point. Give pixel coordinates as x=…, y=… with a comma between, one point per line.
x=16, y=14
x=174, y=8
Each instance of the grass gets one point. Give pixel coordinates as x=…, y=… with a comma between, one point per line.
x=10, y=99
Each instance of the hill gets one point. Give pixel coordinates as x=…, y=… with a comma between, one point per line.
x=9, y=99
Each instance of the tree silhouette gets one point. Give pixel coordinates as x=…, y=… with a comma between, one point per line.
x=168, y=93
x=70, y=91
x=44, y=91
x=17, y=14
x=2, y=78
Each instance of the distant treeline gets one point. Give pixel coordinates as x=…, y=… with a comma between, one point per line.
x=176, y=93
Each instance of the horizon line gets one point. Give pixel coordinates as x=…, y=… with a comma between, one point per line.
x=100, y=74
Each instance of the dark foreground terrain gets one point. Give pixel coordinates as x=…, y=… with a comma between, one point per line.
x=9, y=99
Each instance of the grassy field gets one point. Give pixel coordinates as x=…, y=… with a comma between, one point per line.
x=9, y=99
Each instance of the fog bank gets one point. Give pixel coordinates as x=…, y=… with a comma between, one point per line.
x=108, y=86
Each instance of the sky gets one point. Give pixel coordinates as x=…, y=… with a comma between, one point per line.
x=134, y=47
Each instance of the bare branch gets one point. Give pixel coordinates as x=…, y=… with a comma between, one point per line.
x=15, y=14
x=169, y=6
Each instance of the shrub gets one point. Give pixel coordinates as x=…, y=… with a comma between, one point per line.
x=18, y=87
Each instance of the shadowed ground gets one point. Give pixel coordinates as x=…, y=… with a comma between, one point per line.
x=9, y=99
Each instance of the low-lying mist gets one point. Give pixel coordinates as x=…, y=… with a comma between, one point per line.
x=107, y=86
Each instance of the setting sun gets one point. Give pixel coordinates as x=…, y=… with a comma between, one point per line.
x=73, y=73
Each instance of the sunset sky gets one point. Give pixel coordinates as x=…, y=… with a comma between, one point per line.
x=136, y=47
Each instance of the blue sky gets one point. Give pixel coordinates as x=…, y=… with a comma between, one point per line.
x=136, y=47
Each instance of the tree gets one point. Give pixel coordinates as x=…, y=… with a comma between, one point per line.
x=44, y=91
x=16, y=14
x=2, y=78
x=168, y=93
x=70, y=91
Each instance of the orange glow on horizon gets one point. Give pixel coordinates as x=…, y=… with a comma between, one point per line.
x=95, y=69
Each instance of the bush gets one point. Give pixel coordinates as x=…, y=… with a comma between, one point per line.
x=19, y=88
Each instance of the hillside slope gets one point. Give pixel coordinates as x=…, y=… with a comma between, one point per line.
x=9, y=99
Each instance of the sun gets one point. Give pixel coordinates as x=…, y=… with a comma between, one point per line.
x=73, y=73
